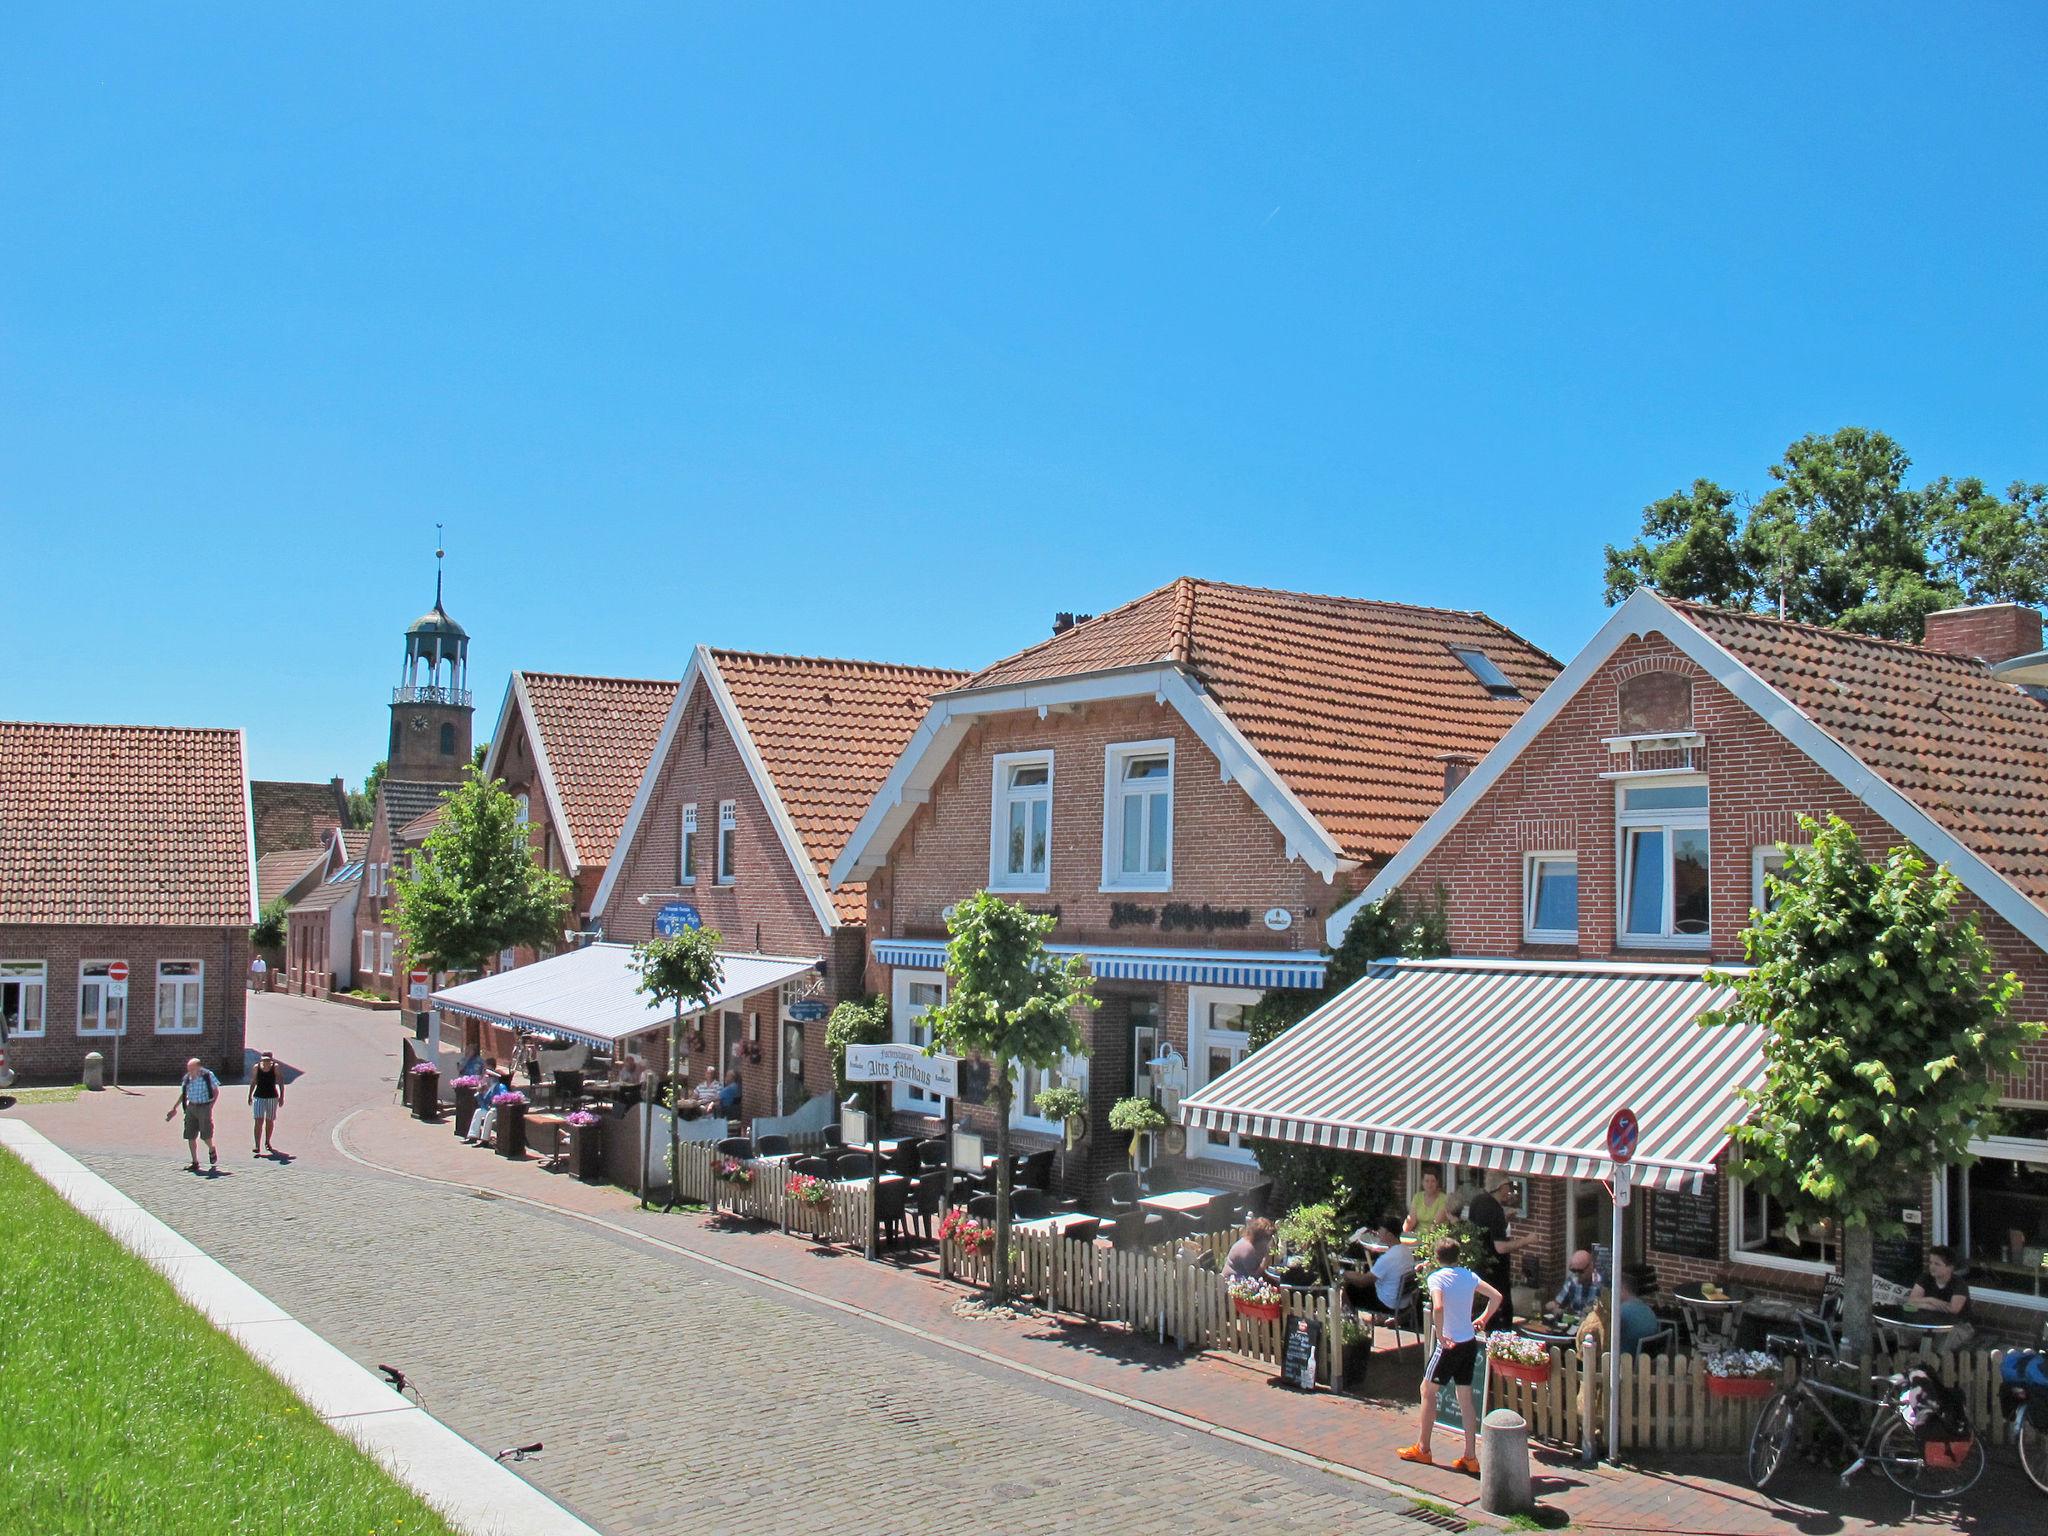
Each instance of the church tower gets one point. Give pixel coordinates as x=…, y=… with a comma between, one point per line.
x=430, y=708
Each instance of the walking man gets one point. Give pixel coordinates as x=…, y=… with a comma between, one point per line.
x=198, y=1091
x=266, y=1097
x=1452, y=1291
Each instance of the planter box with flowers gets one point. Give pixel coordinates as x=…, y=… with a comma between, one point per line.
x=731, y=1170
x=1260, y=1300
x=586, y=1145
x=511, y=1107
x=812, y=1200
x=465, y=1101
x=971, y=1239
x=1742, y=1373
x=1519, y=1358
x=426, y=1092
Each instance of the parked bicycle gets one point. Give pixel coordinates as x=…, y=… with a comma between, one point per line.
x=2023, y=1393
x=1914, y=1430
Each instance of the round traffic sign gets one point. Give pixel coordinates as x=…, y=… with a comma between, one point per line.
x=1621, y=1135
x=117, y=970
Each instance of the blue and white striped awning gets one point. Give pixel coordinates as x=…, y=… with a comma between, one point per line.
x=1200, y=967
x=1502, y=1064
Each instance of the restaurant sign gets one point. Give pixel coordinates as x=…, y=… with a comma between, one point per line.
x=938, y=1076
x=675, y=917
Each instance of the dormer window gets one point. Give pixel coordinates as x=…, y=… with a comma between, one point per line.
x=1020, y=826
x=1490, y=677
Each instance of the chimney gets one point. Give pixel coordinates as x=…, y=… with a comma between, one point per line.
x=1062, y=622
x=1458, y=767
x=1991, y=632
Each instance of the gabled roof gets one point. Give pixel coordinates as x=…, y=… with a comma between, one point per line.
x=114, y=824
x=818, y=737
x=1336, y=713
x=290, y=814
x=416, y=830
x=355, y=841
x=403, y=800
x=277, y=873
x=1933, y=743
x=591, y=739
x=335, y=893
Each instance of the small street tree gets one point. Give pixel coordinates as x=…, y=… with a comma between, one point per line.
x=476, y=888
x=267, y=933
x=1887, y=1037
x=682, y=970
x=1010, y=1001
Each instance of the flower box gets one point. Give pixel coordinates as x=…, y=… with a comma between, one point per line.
x=426, y=1095
x=465, y=1108
x=1522, y=1370
x=511, y=1127
x=586, y=1151
x=1258, y=1311
x=1741, y=1386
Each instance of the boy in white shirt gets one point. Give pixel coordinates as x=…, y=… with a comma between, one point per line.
x=1452, y=1291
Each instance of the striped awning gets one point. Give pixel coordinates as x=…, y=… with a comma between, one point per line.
x=1197, y=967
x=1502, y=1064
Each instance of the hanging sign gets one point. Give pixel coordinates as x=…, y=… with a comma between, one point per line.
x=675, y=917
x=938, y=1076
x=807, y=1011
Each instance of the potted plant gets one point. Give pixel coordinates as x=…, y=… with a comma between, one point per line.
x=1256, y=1298
x=1520, y=1358
x=1357, y=1351
x=1135, y=1117
x=1307, y=1235
x=1742, y=1373
x=586, y=1145
x=974, y=1238
x=731, y=1170
x=465, y=1088
x=1068, y=1105
x=511, y=1107
x=813, y=1195
x=426, y=1092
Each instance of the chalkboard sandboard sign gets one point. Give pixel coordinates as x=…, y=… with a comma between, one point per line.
x=1447, y=1414
x=1298, y=1359
x=1898, y=1258
x=1684, y=1224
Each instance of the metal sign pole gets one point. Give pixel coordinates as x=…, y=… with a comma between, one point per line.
x=946, y=1193
x=874, y=1169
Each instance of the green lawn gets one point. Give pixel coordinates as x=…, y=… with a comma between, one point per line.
x=123, y=1410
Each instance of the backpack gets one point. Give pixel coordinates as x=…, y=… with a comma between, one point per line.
x=2022, y=1374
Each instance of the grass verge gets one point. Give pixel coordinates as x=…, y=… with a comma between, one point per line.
x=125, y=1410
x=57, y=1095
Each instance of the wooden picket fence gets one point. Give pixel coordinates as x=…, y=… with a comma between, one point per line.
x=842, y=1219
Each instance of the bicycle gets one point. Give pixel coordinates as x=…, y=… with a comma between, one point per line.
x=2023, y=1394
x=1900, y=1448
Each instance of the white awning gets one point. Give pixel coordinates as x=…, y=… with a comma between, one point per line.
x=1502, y=1064
x=591, y=994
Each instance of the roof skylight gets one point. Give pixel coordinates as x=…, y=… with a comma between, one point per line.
x=1491, y=678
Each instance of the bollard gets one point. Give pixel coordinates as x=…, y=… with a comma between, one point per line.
x=95, y=1071
x=1504, y=1464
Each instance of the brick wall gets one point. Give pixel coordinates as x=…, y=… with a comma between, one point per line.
x=1994, y=632
x=59, y=1055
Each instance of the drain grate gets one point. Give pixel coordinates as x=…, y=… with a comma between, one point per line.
x=1437, y=1519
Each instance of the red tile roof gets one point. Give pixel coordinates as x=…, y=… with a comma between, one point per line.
x=355, y=841
x=416, y=830
x=278, y=872
x=598, y=733
x=828, y=733
x=1967, y=748
x=122, y=824
x=1355, y=704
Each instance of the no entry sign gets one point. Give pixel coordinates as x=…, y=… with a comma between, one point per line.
x=1621, y=1135
x=117, y=970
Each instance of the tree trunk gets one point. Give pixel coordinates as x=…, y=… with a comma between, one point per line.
x=1858, y=1254
x=999, y=1273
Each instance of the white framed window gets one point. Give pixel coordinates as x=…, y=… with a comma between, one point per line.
x=1216, y=1043
x=1759, y=1233
x=912, y=995
x=1662, y=832
x=686, y=858
x=24, y=992
x=1026, y=1084
x=1765, y=865
x=1137, y=816
x=369, y=960
x=1550, y=898
x=180, y=996
x=522, y=808
x=728, y=834
x=1994, y=1213
x=1020, y=828
x=385, y=943
x=100, y=1010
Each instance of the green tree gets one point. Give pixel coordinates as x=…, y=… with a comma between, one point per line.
x=1887, y=1036
x=1998, y=548
x=362, y=803
x=1012, y=1002
x=682, y=969
x=856, y=1022
x=475, y=888
x=268, y=931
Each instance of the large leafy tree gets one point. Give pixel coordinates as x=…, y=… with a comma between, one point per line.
x=683, y=970
x=1888, y=1036
x=1007, y=1000
x=1840, y=539
x=476, y=887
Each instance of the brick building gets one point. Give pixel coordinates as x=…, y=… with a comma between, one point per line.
x=1611, y=846
x=290, y=815
x=320, y=923
x=1189, y=783
x=124, y=846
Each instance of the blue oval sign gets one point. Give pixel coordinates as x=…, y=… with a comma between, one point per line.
x=675, y=917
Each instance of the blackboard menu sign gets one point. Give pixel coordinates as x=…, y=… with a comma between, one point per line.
x=1684, y=1224
x=1298, y=1363
x=1898, y=1258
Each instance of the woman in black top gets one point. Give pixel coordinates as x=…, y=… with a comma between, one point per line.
x=1943, y=1296
x=266, y=1093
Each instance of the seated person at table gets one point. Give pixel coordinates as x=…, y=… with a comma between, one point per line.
x=1638, y=1322
x=729, y=1095
x=707, y=1091
x=1942, y=1296
x=485, y=1119
x=1247, y=1259
x=1580, y=1292
x=1393, y=1266
x=1429, y=1206
x=631, y=1078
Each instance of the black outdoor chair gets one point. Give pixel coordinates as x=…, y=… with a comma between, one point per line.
x=1219, y=1215
x=982, y=1207
x=1136, y=1229
x=902, y=1158
x=813, y=1167
x=740, y=1147
x=1083, y=1231
x=931, y=1153
x=1254, y=1201
x=1029, y=1204
x=1121, y=1190
x=1658, y=1344
x=891, y=1204
x=833, y=1137
x=924, y=1203
x=770, y=1146
x=852, y=1165
x=1036, y=1170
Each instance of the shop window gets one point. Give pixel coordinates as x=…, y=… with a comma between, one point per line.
x=1550, y=899
x=102, y=1004
x=1664, y=863
x=686, y=872
x=1998, y=1209
x=728, y=834
x=179, y=988
x=913, y=995
x=1764, y=1235
x=1137, y=817
x=1020, y=832
x=23, y=988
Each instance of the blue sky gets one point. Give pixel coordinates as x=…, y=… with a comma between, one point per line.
x=887, y=331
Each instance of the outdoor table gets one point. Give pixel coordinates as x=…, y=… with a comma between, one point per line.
x=1919, y=1328
x=1555, y=1334
x=1720, y=1317
x=862, y=1183
x=1056, y=1225
x=557, y=1128
x=1178, y=1202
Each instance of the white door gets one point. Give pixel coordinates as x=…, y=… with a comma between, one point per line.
x=1216, y=1043
x=912, y=995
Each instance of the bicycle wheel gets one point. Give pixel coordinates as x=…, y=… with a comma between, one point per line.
x=1770, y=1443
x=2032, y=1439
x=1907, y=1463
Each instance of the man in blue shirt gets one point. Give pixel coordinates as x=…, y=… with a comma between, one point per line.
x=198, y=1089
x=1637, y=1321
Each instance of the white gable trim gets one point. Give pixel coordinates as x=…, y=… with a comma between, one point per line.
x=938, y=737
x=516, y=694
x=704, y=669
x=1646, y=613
